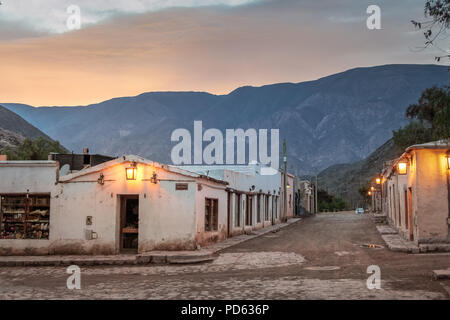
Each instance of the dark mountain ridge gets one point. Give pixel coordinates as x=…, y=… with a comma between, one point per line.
x=336, y=119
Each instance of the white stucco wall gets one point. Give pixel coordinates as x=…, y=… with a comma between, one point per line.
x=432, y=195
x=169, y=219
x=33, y=177
x=212, y=191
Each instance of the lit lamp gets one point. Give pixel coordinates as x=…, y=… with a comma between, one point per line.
x=401, y=167
x=372, y=188
x=378, y=180
x=369, y=193
x=131, y=171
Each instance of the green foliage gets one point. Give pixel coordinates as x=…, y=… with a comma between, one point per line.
x=413, y=133
x=432, y=119
x=37, y=149
x=328, y=202
x=363, y=190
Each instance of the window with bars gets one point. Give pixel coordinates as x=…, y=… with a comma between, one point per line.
x=211, y=214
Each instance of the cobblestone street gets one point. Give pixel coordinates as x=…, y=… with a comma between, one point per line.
x=322, y=257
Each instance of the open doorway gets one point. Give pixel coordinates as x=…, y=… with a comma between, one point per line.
x=129, y=223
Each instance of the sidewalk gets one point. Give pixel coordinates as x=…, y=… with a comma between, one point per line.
x=204, y=254
x=395, y=242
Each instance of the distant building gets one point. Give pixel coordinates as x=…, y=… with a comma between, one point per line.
x=75, y=162
x=290, y=199
x=304, y=194
x=254, y=199
x=415, y=193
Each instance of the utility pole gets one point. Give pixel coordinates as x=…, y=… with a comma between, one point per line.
x=285, y=180
x=316, y=193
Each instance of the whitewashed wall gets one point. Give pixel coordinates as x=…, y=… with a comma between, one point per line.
x=34, y=177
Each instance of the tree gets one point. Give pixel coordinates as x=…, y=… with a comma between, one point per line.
x=328, y=202
x=431, y=117
x=438, y=14
x=37, y=149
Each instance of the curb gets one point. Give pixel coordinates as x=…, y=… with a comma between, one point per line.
x=441, y=274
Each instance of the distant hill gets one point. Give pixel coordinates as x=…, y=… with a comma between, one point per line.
x=341, y=118
x=343, y=180
x=14, y=129
x=12, y=122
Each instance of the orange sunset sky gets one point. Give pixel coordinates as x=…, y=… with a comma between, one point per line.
x=129, y=47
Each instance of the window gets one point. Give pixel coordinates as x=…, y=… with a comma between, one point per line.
x=211, y=214
x=24, y=216
x=249, y=211
x=237, y=210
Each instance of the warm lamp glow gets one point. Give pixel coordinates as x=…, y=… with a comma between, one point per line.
x=378, y=180
x=369, y=193
x=402, y=167
x=131, y=172
x=372, y=188
x=448, y=161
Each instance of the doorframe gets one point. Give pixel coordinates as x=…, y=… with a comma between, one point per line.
x=410, y=213
x=121, y=211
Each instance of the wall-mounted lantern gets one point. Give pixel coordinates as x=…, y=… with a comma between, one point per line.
x=101, y=179
x=401, y=167
x=372, y=188
x=131, y=171
x=369, y=193
x=378, y=180
x=154, y=178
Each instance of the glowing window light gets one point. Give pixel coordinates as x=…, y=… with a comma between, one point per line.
x=402, y=167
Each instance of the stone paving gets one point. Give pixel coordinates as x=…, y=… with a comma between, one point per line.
x=316, y=259
x=204, y=254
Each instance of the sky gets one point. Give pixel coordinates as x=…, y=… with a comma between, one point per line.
x=127, y=47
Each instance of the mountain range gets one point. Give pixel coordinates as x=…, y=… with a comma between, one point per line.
x=337, y=119
x=344, y=180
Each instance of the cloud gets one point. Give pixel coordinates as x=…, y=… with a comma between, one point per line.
x=215, y=49
x=50, y=16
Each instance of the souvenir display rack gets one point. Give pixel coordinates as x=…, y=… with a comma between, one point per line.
x=24, y=216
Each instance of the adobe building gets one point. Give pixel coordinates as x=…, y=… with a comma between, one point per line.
x=129, y=204
x=290, y=200
x=254, y=195
x=415, y=193
x=122, y=205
